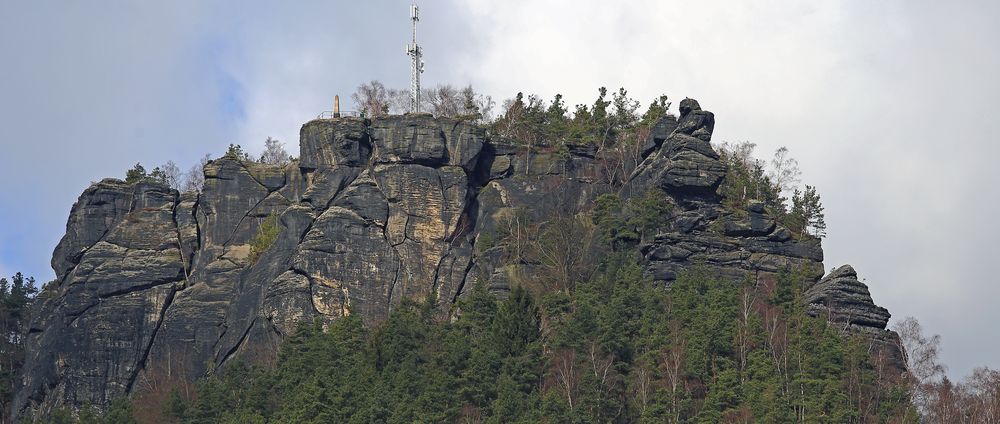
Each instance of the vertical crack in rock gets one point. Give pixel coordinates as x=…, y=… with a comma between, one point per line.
x=229, y=353
x=392, y=285
x=197, y=234
x=186, y=262
x=239, y=224
x=145, y=353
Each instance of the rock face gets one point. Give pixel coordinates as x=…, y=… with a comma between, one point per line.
x=701, y=231
x=842, y=299
x=685, y=162
x=154, y=285
x=118, y=267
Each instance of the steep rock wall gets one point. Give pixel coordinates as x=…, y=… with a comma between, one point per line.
x=154, y=286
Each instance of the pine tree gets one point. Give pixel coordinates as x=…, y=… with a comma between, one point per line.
x=807, y=213
x=138, y=172
x=159, y=176
x=16, y=297
x=658, y=108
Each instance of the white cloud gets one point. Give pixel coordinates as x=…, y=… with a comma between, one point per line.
x=292, y=66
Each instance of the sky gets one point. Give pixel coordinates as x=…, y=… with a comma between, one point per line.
x=890, y=107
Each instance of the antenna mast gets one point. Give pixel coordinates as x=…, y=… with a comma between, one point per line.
x=417, y=63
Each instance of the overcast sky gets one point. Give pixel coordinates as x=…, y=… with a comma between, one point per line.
x=891, y=107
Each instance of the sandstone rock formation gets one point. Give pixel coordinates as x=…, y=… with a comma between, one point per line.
x=154, y=285
x=734, y=245
x=685, y=162
x=842, y=299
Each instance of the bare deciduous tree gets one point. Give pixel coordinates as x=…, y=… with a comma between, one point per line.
x=372, y=98
x=567, y=374
x=399, y=101
x=642, y=385
x=982, y=394
x=744, y=336
x=158, y=382
x=474, y=103
x=470, y=414
x=446, y=100
x=194, y=180
x=784, y=172
x=921, y=353
x=442, y=100
x=602, y=365
x=172, y=174
x=939, y=400
x=672, y=369
x=274, y=152
x=566, y=251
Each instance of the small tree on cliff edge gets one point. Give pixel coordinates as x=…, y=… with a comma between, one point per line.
x=236, y=151
x=135, y=174
x=807, y=212
x=138, y=173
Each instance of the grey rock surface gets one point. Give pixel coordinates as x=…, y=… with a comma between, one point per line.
x=844, y=300
x=684, y=163
x=154, y=285
x=120, y=265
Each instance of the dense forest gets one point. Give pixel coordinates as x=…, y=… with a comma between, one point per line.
x=16, y=296
x=614, y=349
x=584, y=337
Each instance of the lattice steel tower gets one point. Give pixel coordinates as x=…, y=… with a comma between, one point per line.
x=417, y=63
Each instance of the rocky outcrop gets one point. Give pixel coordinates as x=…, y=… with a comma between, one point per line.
x=154, y=285
x=685, y=163
x=730, y=246
x=842, y=299
x=118, y=268
x=747, y=244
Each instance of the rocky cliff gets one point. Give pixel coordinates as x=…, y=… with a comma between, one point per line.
x=154, y=285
